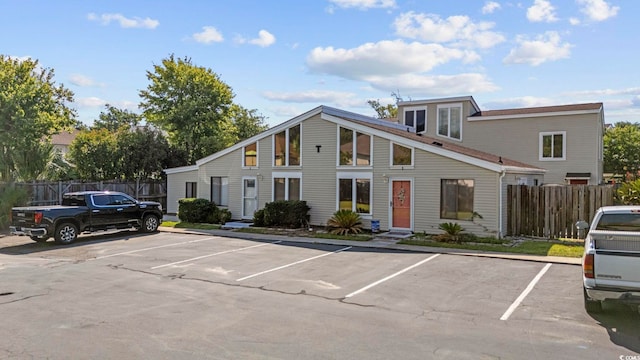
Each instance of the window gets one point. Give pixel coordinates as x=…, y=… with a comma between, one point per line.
x=553, y=145
x=350, y=143
x=220, y=190
x=191, y=190
x=450, y=121
x=401, y=156
x=286, y=186
x=250, y=155
x=456, y=199
x=416, y=118
x=286, y=147
x=354, y=193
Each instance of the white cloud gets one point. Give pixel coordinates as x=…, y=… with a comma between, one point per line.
x=458, y=30
x=518, y=102
x=208, y=35
x=606, y=92
x=264, y=39
x=124, y=22
x=364, y=4
x=82, y=80
x=434, y=85
x=90, y=102
x=541, y=10
x=546, y=47
x=490, y=6
x=598, y=10
x=384, y=58
x=574, y=21
x=313, y=96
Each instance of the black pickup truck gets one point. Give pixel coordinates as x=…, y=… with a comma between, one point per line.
x=85, y=211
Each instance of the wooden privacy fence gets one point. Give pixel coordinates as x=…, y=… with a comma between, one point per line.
x=50, y=192
x=552, y=211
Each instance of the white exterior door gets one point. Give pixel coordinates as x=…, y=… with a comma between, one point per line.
x=249, y=197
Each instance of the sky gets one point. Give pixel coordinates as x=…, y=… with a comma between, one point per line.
x=285, y=57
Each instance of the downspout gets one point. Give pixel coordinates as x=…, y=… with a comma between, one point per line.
x=502, y=174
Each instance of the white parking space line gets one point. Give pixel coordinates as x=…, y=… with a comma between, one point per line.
x=155, y=247
x=524, y=294
x=294, y=263
x=391, y=276
x=214, y=254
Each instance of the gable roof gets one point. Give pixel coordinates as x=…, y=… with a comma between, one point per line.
x=384, y=129
x=538, y=111
x=64, y=138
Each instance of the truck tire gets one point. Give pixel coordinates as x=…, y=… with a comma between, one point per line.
x=66, y=233
x=150, y=223
x=39, y=239
x=592, y=306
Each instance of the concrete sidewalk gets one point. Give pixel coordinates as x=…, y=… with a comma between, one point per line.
x=378, y=243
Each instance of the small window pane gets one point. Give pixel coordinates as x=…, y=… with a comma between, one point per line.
x=345, y=194
x=443, y=122
x=346, y=146
x=280, y=149
x=294, y=145
x=401, y=155
x=456, y=120
x=251, y=155
x=294, y=189
x=408, y=118
x=421, y=120
x=278, y=189
x=363, y=196
x=191, y=190
x=363, y=148
x=557, y=146
x=546, y=146
x=456, y=199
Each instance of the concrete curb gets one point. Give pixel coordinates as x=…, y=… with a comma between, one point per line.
x=378, y=244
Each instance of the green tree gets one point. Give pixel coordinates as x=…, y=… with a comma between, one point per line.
x=142, y=153
x=113, y=119
x=246, y=123
x=32, y=108
x=94, y=152
x=388, y=111
x=622, y=149
x=191, y=104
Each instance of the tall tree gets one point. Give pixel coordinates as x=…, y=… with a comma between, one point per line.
x=191, y=104
x=32, y=108
x=142, y=153
x=113, y=119
x=94, y=152
x=388, y=111
x=247, y=123
x=622, y=149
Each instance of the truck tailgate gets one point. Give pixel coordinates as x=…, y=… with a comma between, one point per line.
x=617, y=259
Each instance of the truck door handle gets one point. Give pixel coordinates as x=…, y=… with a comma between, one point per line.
x=95, y=211
x=119, y=209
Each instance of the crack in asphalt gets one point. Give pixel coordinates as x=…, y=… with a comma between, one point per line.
x=184, y=277
x=23, y=298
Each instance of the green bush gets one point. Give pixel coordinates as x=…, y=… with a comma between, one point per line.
x=286, y=213
x=629, y=193
x=452, y=232
x=345, y=222
x=10, y=196
x=196, y=210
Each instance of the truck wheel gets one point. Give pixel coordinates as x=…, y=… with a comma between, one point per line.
x=66, y=233
x=39, y=239
x=150, y=223
x=592, y=306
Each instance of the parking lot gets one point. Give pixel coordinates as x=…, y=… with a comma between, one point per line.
x=176, y=296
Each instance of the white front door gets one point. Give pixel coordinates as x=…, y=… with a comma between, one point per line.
x=249, y=197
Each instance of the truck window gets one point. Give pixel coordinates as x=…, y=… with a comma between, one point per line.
x=619, y=222
x=101, y=200
x=74, y=200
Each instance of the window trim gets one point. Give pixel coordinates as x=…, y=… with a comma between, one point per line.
x=286, y=146
x=541, y=145
x=414, y=109
x=244, y=149
x=285, y=175
x=413, y=152
x=449, y=106
x=354, y=150
x=353, y=176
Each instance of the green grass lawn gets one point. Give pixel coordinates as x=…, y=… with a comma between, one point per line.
x=186, y=225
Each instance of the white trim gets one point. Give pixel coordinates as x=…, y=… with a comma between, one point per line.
x=391, y=165
x=181, y=169
x=353, y=176
x=415, y=109
x=541, y=136
x=449, y=107
x=257, y=166
x=530, y=115
x=441, y=100
x=254, y=178
x=390, y=214
x=285, y=175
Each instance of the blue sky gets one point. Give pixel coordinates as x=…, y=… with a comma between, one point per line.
x=284, y=57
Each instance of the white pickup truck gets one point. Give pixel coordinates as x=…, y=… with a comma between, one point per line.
x=611, y=261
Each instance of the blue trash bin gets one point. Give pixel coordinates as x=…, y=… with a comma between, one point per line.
x=375, y=226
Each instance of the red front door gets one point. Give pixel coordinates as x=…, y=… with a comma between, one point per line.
x=401, y=204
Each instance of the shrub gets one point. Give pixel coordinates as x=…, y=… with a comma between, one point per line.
x=10, y=196
x=452, y=231
x=629, y=193
x=289, y=213
x=344, y=222
x=258, y=218
x=196, y=210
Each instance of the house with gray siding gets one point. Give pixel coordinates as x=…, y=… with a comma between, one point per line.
x=403, y=175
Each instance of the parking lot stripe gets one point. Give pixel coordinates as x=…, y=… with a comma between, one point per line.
x=214, y=254
x=155, y=247
x=391, y=276
x=526, y=292
x=294, y=263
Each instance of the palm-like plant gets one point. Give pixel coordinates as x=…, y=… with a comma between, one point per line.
x=452, y=230
x=629, y=193
x=345, y=222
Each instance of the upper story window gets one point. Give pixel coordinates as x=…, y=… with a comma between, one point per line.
x=250, y=155
x=354, y=148
x=286, y=147
x=416, y=118
x=450, y=121
x=553, y=146
x=401, y=155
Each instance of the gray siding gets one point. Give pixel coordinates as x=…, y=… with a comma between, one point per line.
x=176, y=184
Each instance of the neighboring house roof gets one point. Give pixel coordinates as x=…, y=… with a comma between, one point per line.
x=385, y=129
x=441, y=100
x=539, y=111
x=64, y=138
